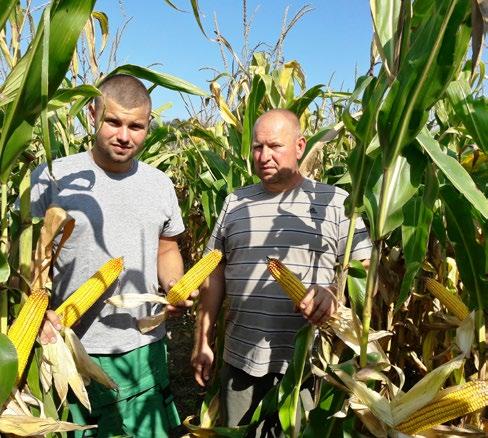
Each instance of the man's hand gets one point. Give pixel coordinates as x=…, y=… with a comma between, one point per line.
x=180, y=307
x=319, y=304
x=51, y=323
x=202, y=360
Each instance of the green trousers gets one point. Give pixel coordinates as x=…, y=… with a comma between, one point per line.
x=143, y=404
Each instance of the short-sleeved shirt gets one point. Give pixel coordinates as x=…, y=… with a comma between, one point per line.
x=306, y=228
x=117, y=215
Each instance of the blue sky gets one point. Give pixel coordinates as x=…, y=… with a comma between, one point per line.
x=332, y=42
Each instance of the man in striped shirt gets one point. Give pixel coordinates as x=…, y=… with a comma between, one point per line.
x=286, y=216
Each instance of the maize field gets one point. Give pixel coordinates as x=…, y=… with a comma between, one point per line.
x=406, y=352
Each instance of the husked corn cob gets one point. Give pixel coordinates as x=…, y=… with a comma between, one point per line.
x=89, y=292
x=290, y=283
x=448, y=299
x=194, y=277
x=454, y=403
x=23, y=331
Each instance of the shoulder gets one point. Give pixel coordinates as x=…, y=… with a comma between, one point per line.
x=247, y=192
x=332, y=194
x=64, y=165
x=153, y=173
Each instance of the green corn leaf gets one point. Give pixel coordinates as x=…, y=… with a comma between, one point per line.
x=404, y=180
x=68, y=18
x=438, y=48
x=162, y=79
x=472, y=111
x=300, y=104
x=251, y=114
x=356, y=285
x=454, y=172
x=8, y=367
x=385, y=15
x=418, y=214
x=292, y=382
x=470, y=255
x=6, y=7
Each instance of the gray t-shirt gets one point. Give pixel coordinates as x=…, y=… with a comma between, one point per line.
x=306, y=228
x=116, y=215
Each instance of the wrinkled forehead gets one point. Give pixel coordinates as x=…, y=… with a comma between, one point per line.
x=274, y=126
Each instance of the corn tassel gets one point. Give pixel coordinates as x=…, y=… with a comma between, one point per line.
x=24, y=330
x=290, y=283
x=447, y=298
x=194, y=277
x=72, y=309
x=452, y=403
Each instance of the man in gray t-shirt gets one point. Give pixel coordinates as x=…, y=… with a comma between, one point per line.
x=122, y=208
x=285, y=216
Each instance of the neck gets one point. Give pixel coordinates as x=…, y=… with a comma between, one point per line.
x=110, y=166
x=284, y=186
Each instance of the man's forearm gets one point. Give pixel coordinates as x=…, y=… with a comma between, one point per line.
x=211, y=298
x=170, y=263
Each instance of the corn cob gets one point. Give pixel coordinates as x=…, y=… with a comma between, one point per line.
x=89, y=292
x=24, y=330
x=194, y=277
x=448, y=299
x=290, y=283
x=455, y=402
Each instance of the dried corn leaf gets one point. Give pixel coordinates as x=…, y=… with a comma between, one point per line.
x=24, y=425
x=465, y=335
x=84, y=363
x=149, y=323
x=378, y=405
x=64, y=370
x=56, y=220
x=129, y=301
x=423, y=391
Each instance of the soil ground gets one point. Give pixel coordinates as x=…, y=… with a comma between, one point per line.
x=188, y=395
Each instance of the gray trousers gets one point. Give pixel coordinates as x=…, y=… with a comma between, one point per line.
x=240, y=394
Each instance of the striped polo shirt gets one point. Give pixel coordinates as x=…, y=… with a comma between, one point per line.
x=306, y=228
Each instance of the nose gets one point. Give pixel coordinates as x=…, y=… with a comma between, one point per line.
x=265, y=154
x=123, y=134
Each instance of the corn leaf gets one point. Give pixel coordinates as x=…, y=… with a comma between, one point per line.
x=374, y=401
x=356, y=285
x=472, y=111
x=405, y=178
x=251, y=114
x=418, y=214
x=424, y=391
x=8, y=367
x=301, y=103
x=454, y=172
x=162, y=79
x=84, y=363
x=292, y=381
x=24, y=425
x=6, y=8
x=129, y=301
x=470, y=254
x=67, y=20
x=385, y=15
x=439, y=45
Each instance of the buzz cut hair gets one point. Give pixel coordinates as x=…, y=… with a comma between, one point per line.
x=290, y=116
x=126, y=90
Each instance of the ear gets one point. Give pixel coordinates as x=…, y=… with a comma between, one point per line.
x=301, y=145
x=92, y=113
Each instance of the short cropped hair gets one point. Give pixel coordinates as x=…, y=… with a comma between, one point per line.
x=126, y=90
x=290, y=116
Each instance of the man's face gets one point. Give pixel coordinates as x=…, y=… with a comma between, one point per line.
x=120, y=134
x=277, y=147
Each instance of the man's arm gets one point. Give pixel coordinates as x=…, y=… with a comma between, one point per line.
x=211, y=298
x=170, y=270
